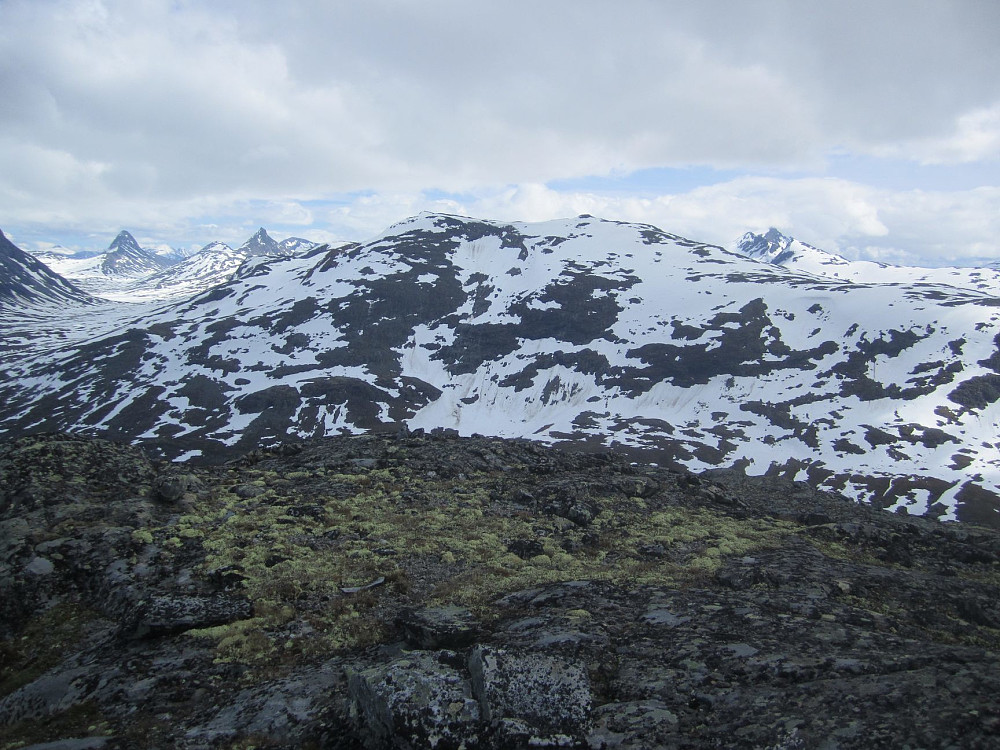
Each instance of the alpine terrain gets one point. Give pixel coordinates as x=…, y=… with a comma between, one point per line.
x=582, y=332
x=262, y=512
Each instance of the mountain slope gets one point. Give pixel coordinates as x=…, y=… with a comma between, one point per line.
x=296, y=246
x=581, y=331
x=24, y=280
x=212, y=265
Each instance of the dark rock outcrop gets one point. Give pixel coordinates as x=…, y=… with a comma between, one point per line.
x=424, y=590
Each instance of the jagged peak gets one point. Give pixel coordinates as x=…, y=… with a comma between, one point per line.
x=124, y=241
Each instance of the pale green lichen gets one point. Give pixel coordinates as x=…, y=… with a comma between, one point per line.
x=298, y=554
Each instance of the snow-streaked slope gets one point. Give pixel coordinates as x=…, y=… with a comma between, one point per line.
x=779, y=249
x=27, y=282
x=212, y=265
x=296, y=246
x=579, y=330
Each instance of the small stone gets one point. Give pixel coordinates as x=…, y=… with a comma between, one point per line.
x=247, y=491
x=39, y=566
x=171, y=488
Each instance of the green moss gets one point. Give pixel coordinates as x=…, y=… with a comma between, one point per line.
x=142, y=536
x=433, y=541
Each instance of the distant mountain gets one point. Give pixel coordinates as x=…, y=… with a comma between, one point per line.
x=212, y=265
x=171, y=255
x=296, y=245
x=781, y=250
x=262, y=244
x=579, y=331
x=124, y=257
x=25, y=280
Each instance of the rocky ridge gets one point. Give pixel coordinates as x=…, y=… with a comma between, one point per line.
x=418, y=590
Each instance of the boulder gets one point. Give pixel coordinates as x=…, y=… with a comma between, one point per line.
x=420, y=700
x=438, y=627
x=549, y=694
x=166, y=615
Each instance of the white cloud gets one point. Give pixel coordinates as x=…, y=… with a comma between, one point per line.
x=974, y=138
x=859, y=221
x=160, y=112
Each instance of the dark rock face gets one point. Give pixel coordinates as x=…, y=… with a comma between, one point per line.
x=26, y=280
x=430, y=591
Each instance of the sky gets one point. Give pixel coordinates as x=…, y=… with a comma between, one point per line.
x=870, y=128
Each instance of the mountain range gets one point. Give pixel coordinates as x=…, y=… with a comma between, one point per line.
x=774, y=247
x=774, y=357
x=127, y=272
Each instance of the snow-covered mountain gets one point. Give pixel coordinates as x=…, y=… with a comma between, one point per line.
x=779, y=249
x=262, y=244
x=26, y=281
x=594, y=332
x=295, y=246
x=127, y=272
x=212, y=265
x=124, y=257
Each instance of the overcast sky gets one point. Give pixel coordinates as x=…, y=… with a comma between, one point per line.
x=868, y=128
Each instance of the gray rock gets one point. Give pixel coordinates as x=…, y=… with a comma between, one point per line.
x=438, y=627
x=247, y=491
x=166, y=615
x=550, y=694
x=632, y=725
x=171, y=488
x=52, y=693
x=39, y=566
x=285, y=710
x=417, y=701
x=79, y=743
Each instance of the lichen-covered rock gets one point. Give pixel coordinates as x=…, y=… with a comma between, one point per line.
x=52, y=693
x=165, y=615
x=286, y=710
x=633, y=725
x=420, y=700
x=171, y=488
x=549, y=694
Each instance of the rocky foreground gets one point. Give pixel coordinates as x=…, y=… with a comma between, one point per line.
x=428, y=591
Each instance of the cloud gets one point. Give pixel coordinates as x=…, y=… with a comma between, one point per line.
x=918, y=227
x=161, y=112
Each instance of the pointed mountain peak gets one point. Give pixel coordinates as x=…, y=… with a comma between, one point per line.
x=262, y=244
x=125, y=257
x=124, y=242
x=770, y=247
